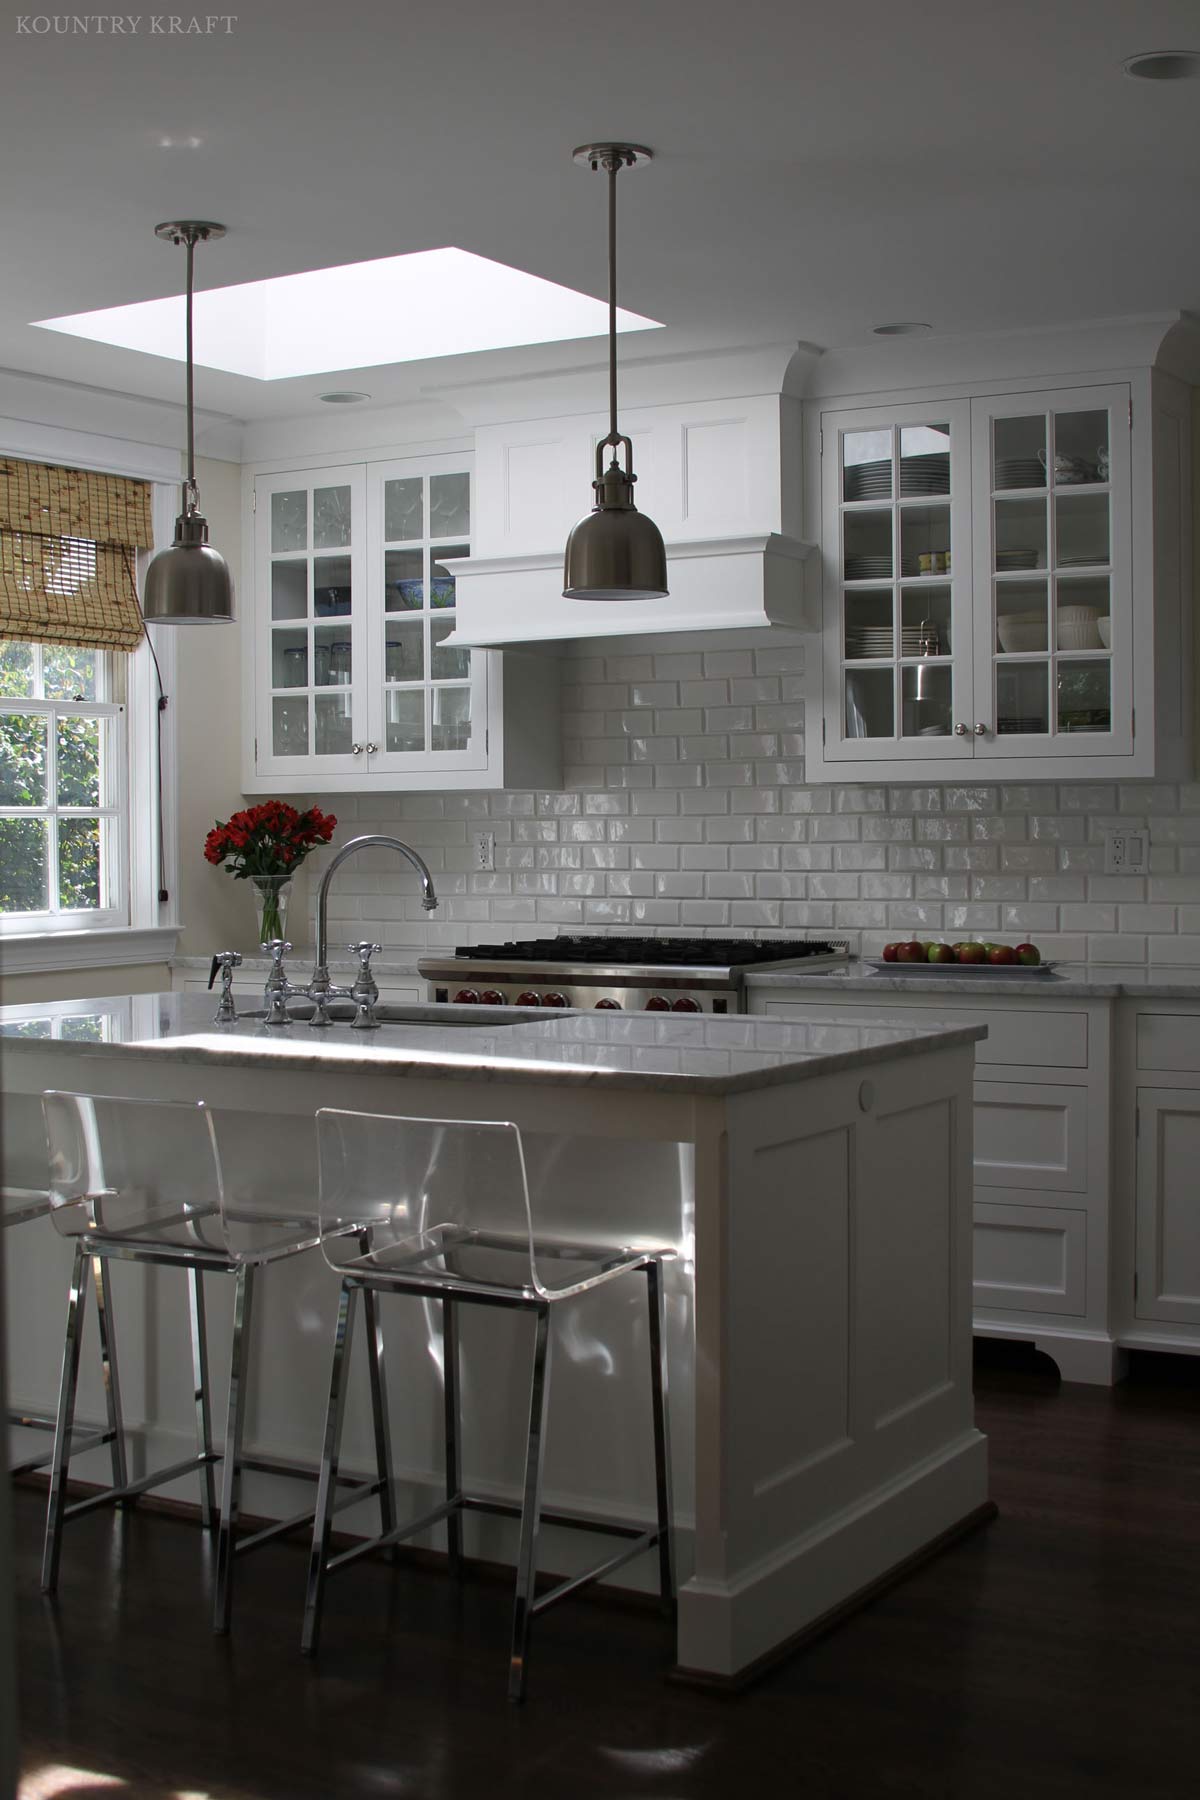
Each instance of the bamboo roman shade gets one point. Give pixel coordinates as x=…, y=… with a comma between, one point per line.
x=68, y=543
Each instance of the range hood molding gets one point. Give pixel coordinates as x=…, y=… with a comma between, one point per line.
x=717, y=584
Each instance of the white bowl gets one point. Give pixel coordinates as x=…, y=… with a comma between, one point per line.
x=1078, y=634
x=1021, y=634
x=1104, y=627
x=1078, y=615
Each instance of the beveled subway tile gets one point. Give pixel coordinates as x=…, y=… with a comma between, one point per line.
x=860, y=856
x=1001, y=828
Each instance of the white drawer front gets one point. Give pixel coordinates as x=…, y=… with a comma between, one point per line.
x=1039, y=1036
x=1030, y=1136
x=1030, y=1258
x=1168, y=1041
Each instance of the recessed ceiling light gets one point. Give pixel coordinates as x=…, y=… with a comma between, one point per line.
x=904, y=328
x=167, y=142
x=1163, y=65
x=398, y=309
x=343, y=397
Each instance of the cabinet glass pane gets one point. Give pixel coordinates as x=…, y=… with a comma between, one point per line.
x=16, y=671
x=403, y=577
x=870, y=703
x=868, y=546
x=451, y=718
x=404, y=509
x=331, y=724
x=1083, y=613
x=927, y=697
x=79, y=863
x=289, y=659
x=79, y=764
x=867, y=465
x=925, y=621
x=924, y=460
x=925, y=540
x=868, y=623
x=1019, y=452
x=1020, y=537
x=1081, y=530
x=331, y=586
x=333, y=656
x=289, y=590
x=441, y=581
x=405, y=719
x=289, y=520
x=289, y=727
x=449, y=505
x=1022, y=698
x=68, y=673
x=1021, y=617
x=404, y=651
x=23, y=759
x=1080, y=447
x=24, y=864
x=446, y=663
x=331, y=517
x=1084, y=699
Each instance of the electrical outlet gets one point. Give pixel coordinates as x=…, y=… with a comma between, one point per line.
x=485, y=851
x=1125, y=852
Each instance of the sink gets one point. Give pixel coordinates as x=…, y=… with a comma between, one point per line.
x=392, y=1013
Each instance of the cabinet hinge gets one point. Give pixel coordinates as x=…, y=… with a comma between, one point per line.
x=1135, y=1284
x=256, y=753
x=1137, y=1122
x=822, y=734
x=821, y=443
x=253, y=500
x=487, y=742
x=1131, y=412
x=1133, y=721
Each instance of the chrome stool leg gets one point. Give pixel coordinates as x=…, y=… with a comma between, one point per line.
x=208, y=1496
x=531, y=1506
x=334, y=1415
x=662, y=1439
x=106, y=1319
x=61, y=1459
x=231, y=1466
x=379, y=1410
x=453, y=1431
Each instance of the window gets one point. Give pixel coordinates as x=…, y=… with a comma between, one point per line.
x=63, y=855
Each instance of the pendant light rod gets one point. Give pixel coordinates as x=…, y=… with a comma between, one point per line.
x=612, y=158
x=189, y=232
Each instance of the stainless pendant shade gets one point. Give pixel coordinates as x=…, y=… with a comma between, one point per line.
x=615, y=552
x=189, y=583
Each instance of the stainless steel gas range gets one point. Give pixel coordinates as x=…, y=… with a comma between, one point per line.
x=662, y=974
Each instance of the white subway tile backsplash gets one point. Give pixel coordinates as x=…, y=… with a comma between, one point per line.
x=684, y=806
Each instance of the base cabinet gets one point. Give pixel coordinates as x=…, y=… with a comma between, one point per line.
x=1168, y=1203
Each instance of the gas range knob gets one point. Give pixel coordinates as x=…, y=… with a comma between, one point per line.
x=492, y=997
x=529, y=998
x=658, y=1003
x=467, y=997
x=686, y=1004
x=608, y=1006
x=555, y=999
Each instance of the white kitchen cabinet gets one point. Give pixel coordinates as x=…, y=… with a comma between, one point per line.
x=351, y=681
x=1005, y=584
x=1168, y=1204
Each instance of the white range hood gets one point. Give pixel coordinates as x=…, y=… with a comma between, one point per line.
x=716, y=448
x=716, y=584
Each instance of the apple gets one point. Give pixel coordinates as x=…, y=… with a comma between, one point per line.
x=940, y=953
x=1002, y=953
x=972, y=953
x=1029, y=954
x=889, y=952
x=911, y=952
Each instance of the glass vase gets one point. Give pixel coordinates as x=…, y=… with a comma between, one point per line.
x=271, y=897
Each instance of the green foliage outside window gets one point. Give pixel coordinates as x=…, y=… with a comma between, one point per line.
x=24, y=843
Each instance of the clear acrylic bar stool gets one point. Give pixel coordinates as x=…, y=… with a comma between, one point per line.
x=441, y=1208
x=144, y=1181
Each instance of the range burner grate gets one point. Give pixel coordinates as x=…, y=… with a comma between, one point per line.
x=661, y=952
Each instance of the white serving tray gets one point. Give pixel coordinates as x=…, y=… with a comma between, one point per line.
x=1012, y=971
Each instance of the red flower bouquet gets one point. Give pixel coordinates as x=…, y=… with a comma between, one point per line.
x=266, y=845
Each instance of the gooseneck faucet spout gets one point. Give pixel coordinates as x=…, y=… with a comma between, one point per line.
x=319, y=987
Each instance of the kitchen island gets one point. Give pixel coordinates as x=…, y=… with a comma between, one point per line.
x=813, y=1178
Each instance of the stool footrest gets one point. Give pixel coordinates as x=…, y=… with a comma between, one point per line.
x=156, y=1478
x=83, y=1437
x=646, y=1541
x=360, y=1490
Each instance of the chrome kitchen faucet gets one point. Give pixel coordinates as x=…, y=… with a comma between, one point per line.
x=364, y=993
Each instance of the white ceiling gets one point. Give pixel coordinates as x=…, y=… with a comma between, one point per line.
x=819, y=169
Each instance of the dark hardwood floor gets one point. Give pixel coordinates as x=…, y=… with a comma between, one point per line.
x=1055, y=1653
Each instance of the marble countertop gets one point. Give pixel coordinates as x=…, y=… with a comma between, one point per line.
x=1071, y=981
x=697, y=1054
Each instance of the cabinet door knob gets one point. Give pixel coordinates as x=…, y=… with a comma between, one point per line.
x=981, y=731
x=371, y=749
x=960, y=731
x=356, y=749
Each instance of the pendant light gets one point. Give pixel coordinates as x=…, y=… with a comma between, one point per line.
x=189, y=583
x=616, y=552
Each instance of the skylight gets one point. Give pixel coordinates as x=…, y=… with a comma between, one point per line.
x=397, y=309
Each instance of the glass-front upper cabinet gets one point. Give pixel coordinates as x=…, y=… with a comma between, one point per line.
x=1052, y=573
x=310, y=563
x=427, y=704
x=897, y=583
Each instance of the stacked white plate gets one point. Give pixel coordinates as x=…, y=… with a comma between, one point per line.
x=867, y=481
x=1084, y=559
x=1015, y=559
x=869, y=568
x=928, y=474
x=876, y=640
x=1019, y=472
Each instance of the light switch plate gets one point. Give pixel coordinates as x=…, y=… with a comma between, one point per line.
x=1126, y=852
